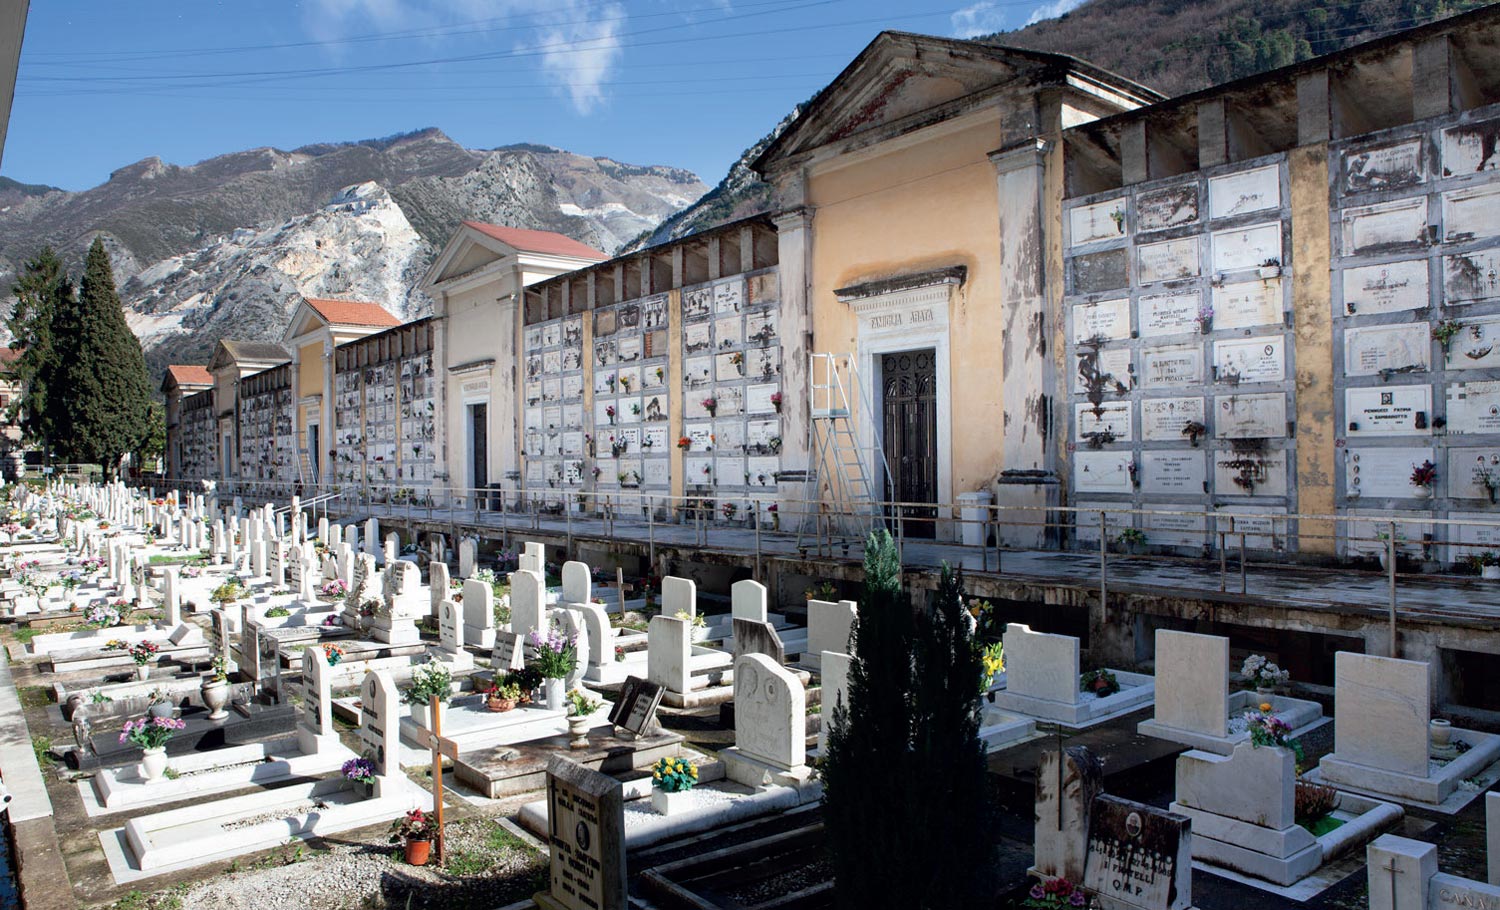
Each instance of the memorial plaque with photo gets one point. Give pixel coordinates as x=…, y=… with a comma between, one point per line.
x=654, y=312
x=572, y=332
x=1372, y=349
x=763, y=471
x=1382, y=472
x=1473, y=407
x=1110, y=418
x=1391, y=411
x=1107, y=319
x=1468, y=469
x=1167, y=207
x=1388, y=288
x=1096, y=221
x=1251, y=472
x=1163, y=419
x=1260, y=359
x=1102, y=472
x=1113, y=363
x=1175, y=530
x=729, y=295
x=1174, y=473
x=1388, y=167
x=1168, y=260
x=654, y=439
x=654, y=408
x=1386, y=227
x=696, y=338
x=702, y=436
x=572, y=472
x=630, y=348
x=586, y=837
x=1172, y=365
x=630, y=315
x=728, y=333
x=1247, y=248
x=1471, y=213
x=1102, y=271
x=1245, y=304
x=1260, y=416
x=1244, y=192
x=635, y=709
x=1170, y=314
x=1138, y=855
x=696, y=371
x=697, y=303
x=1472, y=277
x=762, y=289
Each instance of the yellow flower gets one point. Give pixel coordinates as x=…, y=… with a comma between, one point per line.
x=656, y=774
x=1265, y=707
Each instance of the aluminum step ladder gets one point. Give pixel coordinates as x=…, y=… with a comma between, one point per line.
x=846, y=476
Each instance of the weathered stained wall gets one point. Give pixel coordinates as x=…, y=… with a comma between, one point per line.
x=1316, y=450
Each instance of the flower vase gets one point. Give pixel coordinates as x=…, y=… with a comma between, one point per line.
x=1440, y=732
x=143, y=671
x=553, y=689
x=216, y=698
x=1490, y=572
x=699, y=634
x=161, y=709
x=153, y=763
x=668, y=804
x=578, y=728
x=1265, y=691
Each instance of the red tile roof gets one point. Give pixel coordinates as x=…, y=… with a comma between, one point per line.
x=352, y=312
x=530, y=241
x=190, y=375
x=10, y=355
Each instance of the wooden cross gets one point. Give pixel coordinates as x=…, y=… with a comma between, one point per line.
x=433, y=739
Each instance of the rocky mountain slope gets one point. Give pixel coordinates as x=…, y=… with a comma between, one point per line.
x=217, y=248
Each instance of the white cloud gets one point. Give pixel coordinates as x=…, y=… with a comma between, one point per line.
x=983, y=18
x=581, y=54
x=1053, y=10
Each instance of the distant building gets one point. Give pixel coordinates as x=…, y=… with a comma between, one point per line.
x=12, y=446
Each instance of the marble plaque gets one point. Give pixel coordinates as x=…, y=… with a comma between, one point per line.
x=573, y=473
x=1260, y=416
x=760, y=328
x=696, y=371
x=1172, y=365
x=629, y=379
x=630, y=315
x=1392, y=287
x=586, y=836
x=1467, y=470
x=1390, y=411
x=1174, y=473
x=702, y=436
x=1102, y=271
x=1470, y=148
x=1168, y=260
x=656, y=472
x=551, y=363
x=1097, y=221
x=533, y=392
x=532, y=338
x=1384, y=228
x=1244, y=192
x=572, y=387
x=1248, y=303
x=1170, y=314
x=1112, y=417
x=630, y=348
x=1264, y=527
x=1473, y=407
x=695, y=338
x=1362, y=538
x=605, y=353
x=1250, y=473
x=572, y=443
x=552, y=334
x=655, y=439
x=572, y=415
x=1382, y=472
x=758, y=399
x=654, y=408
x=730, y=472
x=698, y=470
x=1175, y=530
x=1162, y=419
x=729, y=434
x=729, y=295
x=551, y=391
x=1086, y=520
x=572, y=359
x=1477, y=537
x=762, y=435
x=731, y=399
x=1113, y=363
x=654, y=312
x=1261, y=359
x=605, y=382
x=654, y=377
x=729, y=367
x=1476, y=346
x=535, y=474
x=763, y=363
x=1167, y=207
x=1387, y=167
x=728, y=332
x=1246, y=248
x=1371, y=349
x=697, y=303
x=1472, y=277
x=1102, y=472
x=1107, y=319
x=1138, y=856
x=1471, y=213
x=763, y=471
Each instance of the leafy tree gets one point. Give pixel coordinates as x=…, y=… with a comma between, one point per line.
x=41, y=290
x=154, y=444
x=904, y=775
x=102, y=395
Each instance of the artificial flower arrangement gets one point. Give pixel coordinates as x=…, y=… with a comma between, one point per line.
x=697, y=621
x=430, y=679
x=333, y=654
x=151, y=732
x=333, y=590
x=228, y=592
x=993, y=661
x=1266, y=729
x=102, y=616
x=1057, y=893
x=1101, y=683
x=1263, y=674
x=674, y=775
x=143, y=651
x=359, y=770
x=580, y=704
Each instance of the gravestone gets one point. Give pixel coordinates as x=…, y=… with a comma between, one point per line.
x=335, y=535
x=344, y=559
x=679, y=595
x=527, y=603
x=586, y=837
x=437, y=584
x=600, y=635
x=570, y=623
x=450, y=627
x=323, y=529
x=1192, y=682
x=668, y=644
x=372, y=536
x=757, y=637
x=1382, y=708
x=1040, y=665
x=828, y=627
x=1139, y=856
x=509, y=652
x=635, y=709
x=479, y=612
x=403, y=590
x=1400, y=873
x=835, y=672
x=468, y=552
x=770, y=724
x=1067, y=783
x=351, y=536
x=171, y=598
x=379, y=729
x=392, y=549
x=747, y=600
x=577, y=583
x=534, y=558
x=315, y=732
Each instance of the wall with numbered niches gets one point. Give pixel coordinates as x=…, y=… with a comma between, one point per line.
x=268, y=440
x=198, y=430
x=608, y=402
x=385, y=416
x=1180, y=391
x=1415, y=226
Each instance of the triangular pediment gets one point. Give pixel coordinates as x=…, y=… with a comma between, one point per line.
x=305, y=321
x=467, y=251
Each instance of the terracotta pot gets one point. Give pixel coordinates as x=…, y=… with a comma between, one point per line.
x=418, y=852
x=499, y=705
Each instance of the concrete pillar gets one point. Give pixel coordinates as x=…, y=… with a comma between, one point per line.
x=1133, y=159
x=1431, y=82
x=794, y=252
x=1213, y=136
x=1312, y=108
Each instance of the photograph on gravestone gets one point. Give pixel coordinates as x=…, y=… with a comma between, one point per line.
x=635, y=710
x=1138, y=855
x=586, y=835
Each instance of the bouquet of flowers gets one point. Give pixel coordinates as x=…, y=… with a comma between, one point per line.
x=993, y=661
x=143, y=651
x=1262, y=674
x=581, y=705
x=334, y=590
x=333, y=654
x=556, y=654
x=674, y=775
x=102, y=616
x=150, y=732
x=359, y=770
x=1059, y=893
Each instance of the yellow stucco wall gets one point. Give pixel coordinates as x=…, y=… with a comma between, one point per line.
x=924, y=206
x=1307, y=171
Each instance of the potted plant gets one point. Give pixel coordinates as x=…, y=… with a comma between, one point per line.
x=215, y=689
x=1263, y=675
x=142, y=652
x=671, y=779
x=160, y=705
x=1100, y=683
x=556, y=657
x=698, y=624
x=580, y=707
x=502, y=695
x=228, y=592
x=415, y=831
x=360, y=772
x=430, y=679
x=151, y=734
x=277, y=612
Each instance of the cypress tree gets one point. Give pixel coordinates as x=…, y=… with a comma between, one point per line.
x=41, y=290
x=102, y=393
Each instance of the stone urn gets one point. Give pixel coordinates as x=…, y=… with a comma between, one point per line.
x=1440, y=733
x=216, y=698
x=153, y=763
x=668, y=804
x=161, y=709
x=578, y=728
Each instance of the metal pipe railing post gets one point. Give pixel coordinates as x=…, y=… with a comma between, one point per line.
x=757, y=538
x=1103, y=563
x=1390, y=567
x=568, y=513
x=1243, y=588
x=651, y=536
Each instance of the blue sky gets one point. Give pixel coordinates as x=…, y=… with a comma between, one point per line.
x=681, y=82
